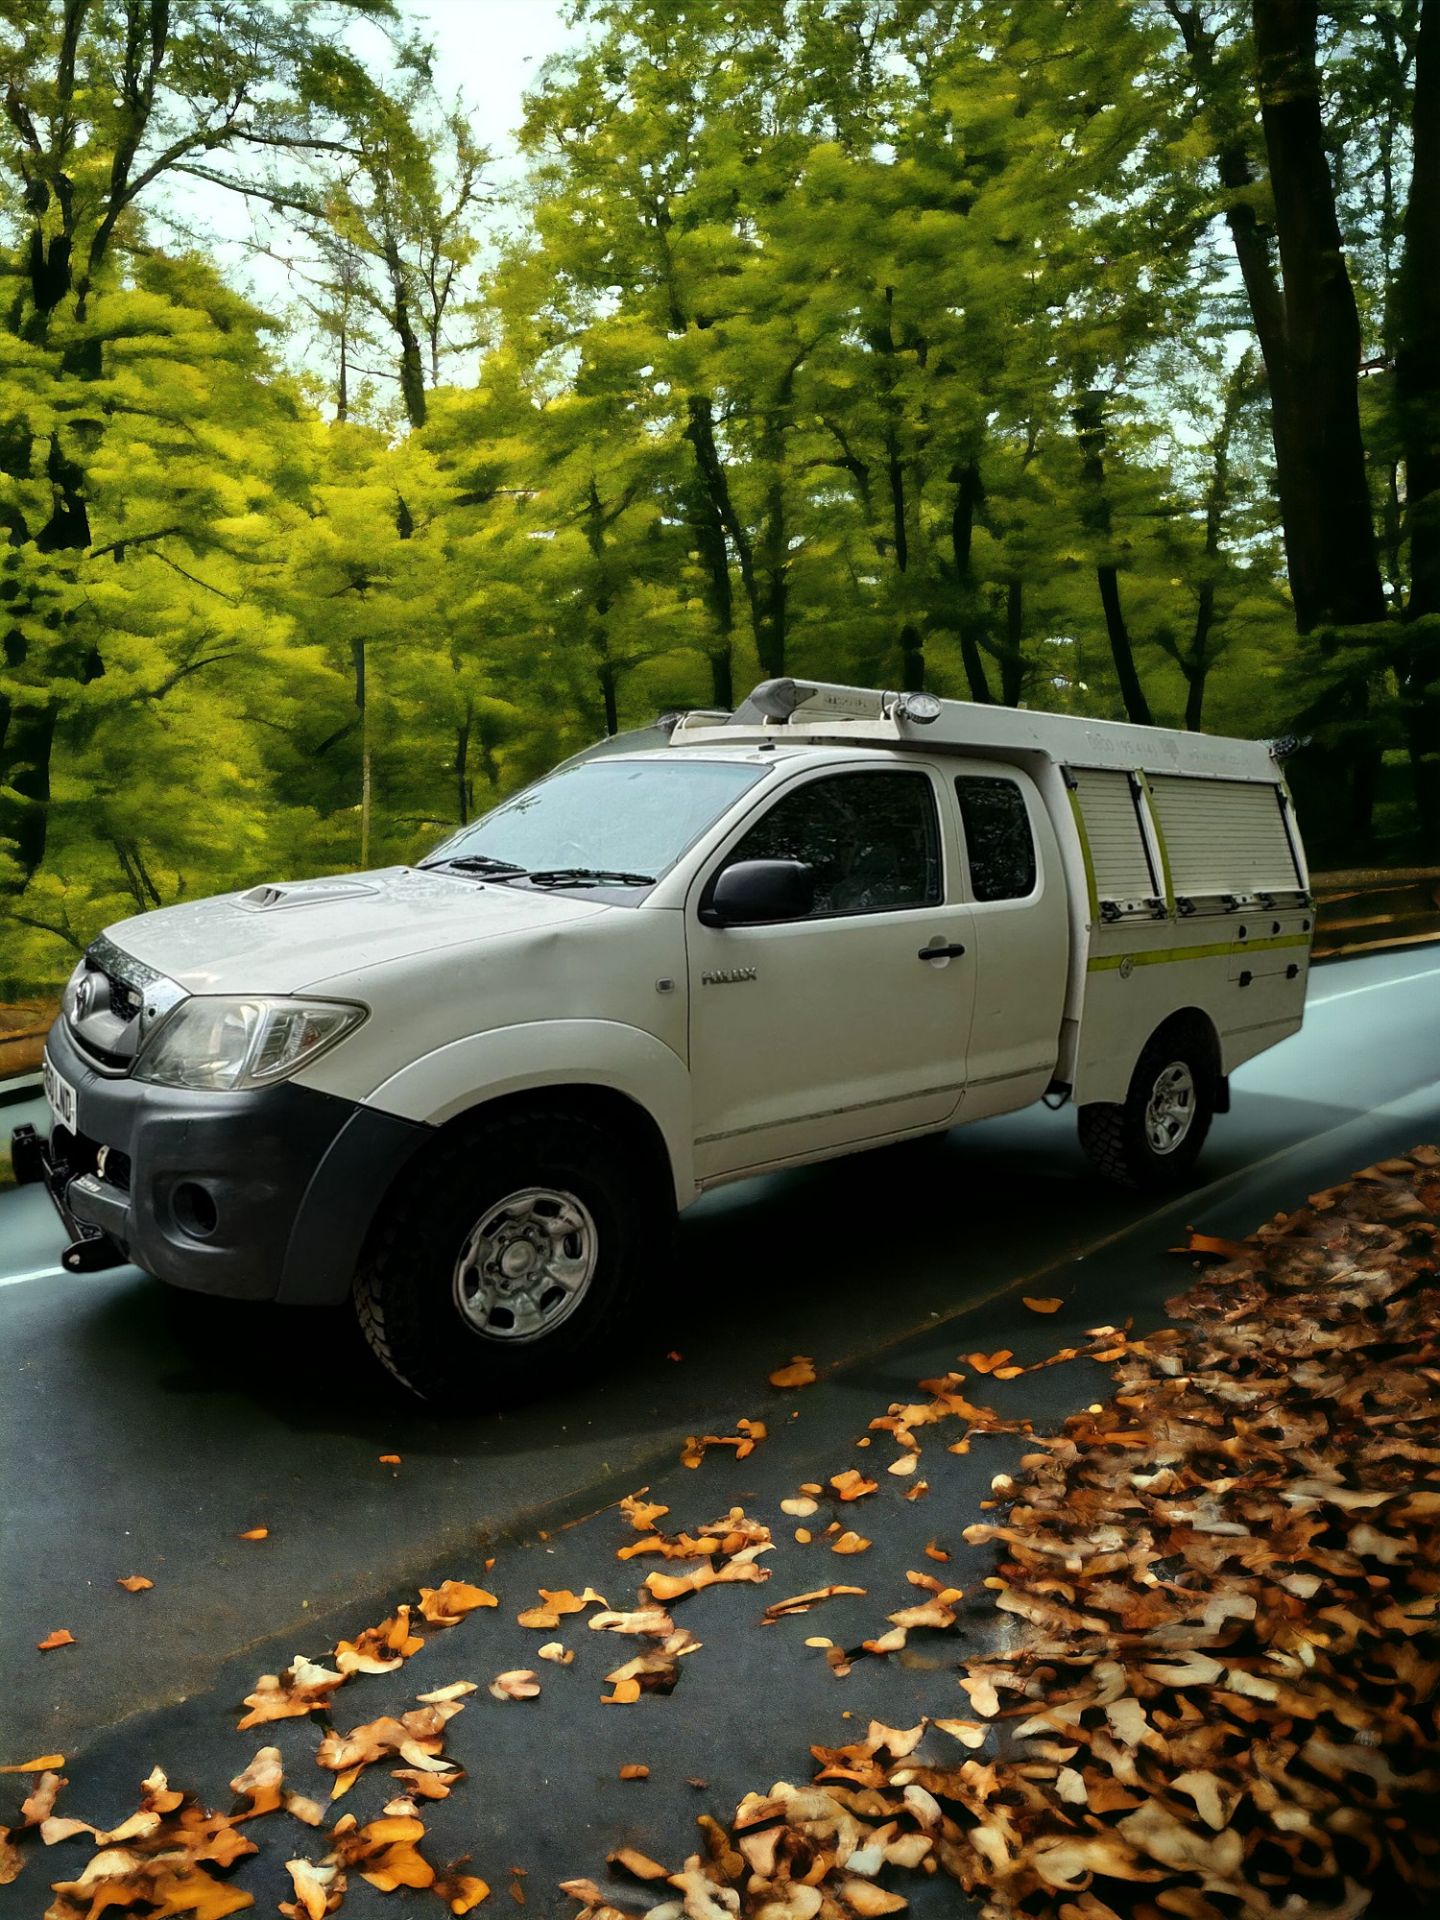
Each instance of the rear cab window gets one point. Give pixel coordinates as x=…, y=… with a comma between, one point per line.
x=999, y=840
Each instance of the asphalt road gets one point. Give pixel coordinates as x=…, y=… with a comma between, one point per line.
x=142, y=1431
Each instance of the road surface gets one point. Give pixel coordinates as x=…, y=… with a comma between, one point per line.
x=141, y=1431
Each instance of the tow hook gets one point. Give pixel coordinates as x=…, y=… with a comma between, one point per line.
x=91, y=1249
x=93, y=1252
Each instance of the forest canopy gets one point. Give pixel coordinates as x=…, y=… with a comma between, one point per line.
x=1076, y=353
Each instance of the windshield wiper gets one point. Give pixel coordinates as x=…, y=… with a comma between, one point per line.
x=475, y=863
x=588, y=877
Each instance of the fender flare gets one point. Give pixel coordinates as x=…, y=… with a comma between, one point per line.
x=469, y=1073
x=393, y=1125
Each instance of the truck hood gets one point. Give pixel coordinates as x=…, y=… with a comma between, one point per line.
x=291, y=935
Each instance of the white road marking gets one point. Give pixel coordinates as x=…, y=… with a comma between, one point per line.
x=1375, y=986
x=40, y=1273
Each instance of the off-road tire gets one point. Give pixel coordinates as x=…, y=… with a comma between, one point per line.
x=403, y=1289
x=1113, y=1133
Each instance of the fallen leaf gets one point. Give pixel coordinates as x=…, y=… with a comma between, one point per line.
x=389, y=1459
x=318, y=1890
x=553, y=1606
x=61, y=1637
x=456, y=1690
x=448, y=1604
x=799, y=1372
x=134, y=1583
x=1041, y=1306
x=635, y=1770
x=254, y=1533
x=380, y=1649
x=304, y=1687
x=851, y=1485
x=802, y=1602
x=851, y=1543
x=47, y=1763
x=562, y=1656
x=462, y=1891
x=519, y=1684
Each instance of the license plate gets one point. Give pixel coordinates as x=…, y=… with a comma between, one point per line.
x=60, y=1094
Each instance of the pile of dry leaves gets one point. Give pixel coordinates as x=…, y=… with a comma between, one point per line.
x=1223, y=1698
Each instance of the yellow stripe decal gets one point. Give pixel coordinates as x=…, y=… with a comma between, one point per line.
x=1085, y=855
x=1154, y=813
x=1159, y=956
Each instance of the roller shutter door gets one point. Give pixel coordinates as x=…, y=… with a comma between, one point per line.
x=1118, y=853
x=1224, y=836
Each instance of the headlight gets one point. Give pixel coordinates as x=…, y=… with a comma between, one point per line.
x=67, y=998
x=213, y=1044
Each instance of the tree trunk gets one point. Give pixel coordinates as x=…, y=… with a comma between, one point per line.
x=462, y=768
x=969, y=492
x=1329, y=520
x=1417, y=360
x=1012, y=661
x=1089, y=418
x=358, y=662
x=412, y=366
x=715, y=488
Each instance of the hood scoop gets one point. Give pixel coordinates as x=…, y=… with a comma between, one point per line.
x=273, y=895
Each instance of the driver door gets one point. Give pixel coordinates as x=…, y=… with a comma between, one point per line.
x=810, y=1036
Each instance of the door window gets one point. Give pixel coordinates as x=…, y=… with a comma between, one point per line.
x=871, y=839
x=998, y=838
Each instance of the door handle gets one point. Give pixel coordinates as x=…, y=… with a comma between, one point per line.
x=941, y=953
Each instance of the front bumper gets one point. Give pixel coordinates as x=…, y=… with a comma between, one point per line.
x=258, y=1195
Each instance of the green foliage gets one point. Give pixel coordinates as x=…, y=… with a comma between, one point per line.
x=895, y=341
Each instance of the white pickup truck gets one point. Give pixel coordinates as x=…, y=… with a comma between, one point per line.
x=472, y=1094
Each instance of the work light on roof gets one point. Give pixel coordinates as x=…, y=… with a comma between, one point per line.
x=922, y=708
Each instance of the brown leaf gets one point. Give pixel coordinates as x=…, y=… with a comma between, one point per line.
x=802, y=1602
x=518, y=1684
x=302, y=1688
x=254, y=1533
x=553, y=1606
x=635, y=1770
x=799, y=1372
x=45, y=1764
x=134, y=1583
x=448, y=1604
x=389, y=1459
x=851, y=1485
x=1041, y=1306
x=851, y=1543
x=61, y=1637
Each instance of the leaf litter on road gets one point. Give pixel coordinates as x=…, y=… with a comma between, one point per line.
x=1220, y=1697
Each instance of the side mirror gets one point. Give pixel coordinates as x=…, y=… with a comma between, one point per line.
x=753, y=892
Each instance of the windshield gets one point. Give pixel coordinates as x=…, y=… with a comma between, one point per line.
x=630, y=818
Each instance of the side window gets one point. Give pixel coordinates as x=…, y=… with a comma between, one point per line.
x=873, y=840
x=997, y=837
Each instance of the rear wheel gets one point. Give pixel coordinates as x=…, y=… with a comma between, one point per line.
x=1152, y=1139
x=510, y=1256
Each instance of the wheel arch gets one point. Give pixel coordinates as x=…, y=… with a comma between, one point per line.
x=1105, y=1075
x=611, y=1072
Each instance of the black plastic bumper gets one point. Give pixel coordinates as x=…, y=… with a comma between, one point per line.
x=257, y=1195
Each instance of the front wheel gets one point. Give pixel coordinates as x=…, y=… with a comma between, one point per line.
x=1152, y=1139
x=508, y=1257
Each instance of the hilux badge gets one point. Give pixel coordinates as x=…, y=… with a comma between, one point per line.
x=726, y=976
